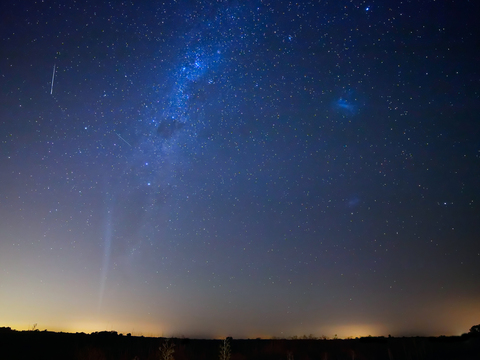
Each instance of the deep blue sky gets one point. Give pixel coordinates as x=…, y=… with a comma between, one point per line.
x=230, y=168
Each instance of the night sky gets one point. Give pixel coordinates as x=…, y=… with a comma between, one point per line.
x=240, y=168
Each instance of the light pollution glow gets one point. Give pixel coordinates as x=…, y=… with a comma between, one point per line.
x=458, y=320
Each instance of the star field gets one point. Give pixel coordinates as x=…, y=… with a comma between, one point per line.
x=222, y=168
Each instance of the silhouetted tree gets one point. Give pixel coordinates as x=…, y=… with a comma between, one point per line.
x=475, y=329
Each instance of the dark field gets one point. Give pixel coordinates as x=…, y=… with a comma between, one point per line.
x=110, y=345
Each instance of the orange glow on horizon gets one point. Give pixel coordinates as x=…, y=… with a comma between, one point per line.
x=357, y=330
x=441, y=318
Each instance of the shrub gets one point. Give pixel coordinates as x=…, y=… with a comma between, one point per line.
x=225, y=350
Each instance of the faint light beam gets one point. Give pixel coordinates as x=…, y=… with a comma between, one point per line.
x=106, y=258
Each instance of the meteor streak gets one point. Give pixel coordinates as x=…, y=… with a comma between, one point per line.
x=53, y=78
x=123, y=139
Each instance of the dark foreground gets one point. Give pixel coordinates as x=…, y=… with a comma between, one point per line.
x=110, y=345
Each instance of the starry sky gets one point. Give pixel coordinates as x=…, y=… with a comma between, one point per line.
x=240, y=168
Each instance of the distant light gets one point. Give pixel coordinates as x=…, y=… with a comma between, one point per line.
x=367, y=8
x=148, y=184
